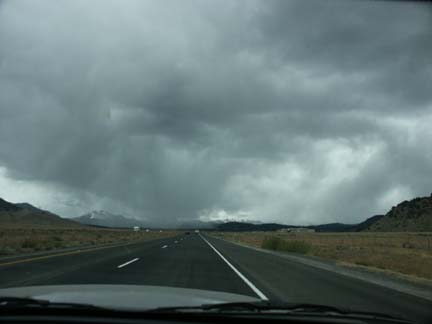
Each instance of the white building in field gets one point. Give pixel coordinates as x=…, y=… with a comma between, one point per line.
x=136, y=228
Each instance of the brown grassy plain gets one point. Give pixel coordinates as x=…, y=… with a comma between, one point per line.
x=15, y=240
x=402, y=253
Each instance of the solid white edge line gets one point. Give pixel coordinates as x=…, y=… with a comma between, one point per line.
x=129, y=262
x=246, y=280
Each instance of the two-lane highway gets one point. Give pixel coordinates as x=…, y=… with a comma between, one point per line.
x=194, y=261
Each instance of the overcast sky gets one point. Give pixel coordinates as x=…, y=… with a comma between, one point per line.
x=300, y=112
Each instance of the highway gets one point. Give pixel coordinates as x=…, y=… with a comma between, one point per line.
x=203, y=262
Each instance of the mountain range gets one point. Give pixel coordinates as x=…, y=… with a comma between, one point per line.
x=414, y=216
x=408, y=216
x=106, y=219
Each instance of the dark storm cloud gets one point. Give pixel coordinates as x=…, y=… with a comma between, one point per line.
x=291, y=111
x=387, y=43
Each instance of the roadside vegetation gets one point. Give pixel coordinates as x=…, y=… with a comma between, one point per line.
x=279, y=244
x=404, y=253
x=15, y=241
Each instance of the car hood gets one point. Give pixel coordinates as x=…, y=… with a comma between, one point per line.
x=131, y=297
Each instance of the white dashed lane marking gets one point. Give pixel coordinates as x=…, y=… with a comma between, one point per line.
x=129, y=262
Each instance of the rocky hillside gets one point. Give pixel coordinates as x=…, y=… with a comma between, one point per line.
x=408, y=216
x=27, y=215
x=6, y=206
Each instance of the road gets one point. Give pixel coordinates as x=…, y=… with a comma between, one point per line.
x=194, y=261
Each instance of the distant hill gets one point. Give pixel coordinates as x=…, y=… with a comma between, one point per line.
x=334, y=227
x=408, y=216
x=267, y=227
x=25, y=214
x=195, y=224
x=249, y=227
x=368, y=223
x=340, y=227
x=107, y=219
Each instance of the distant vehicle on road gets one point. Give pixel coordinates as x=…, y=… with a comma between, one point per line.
x=197, y=231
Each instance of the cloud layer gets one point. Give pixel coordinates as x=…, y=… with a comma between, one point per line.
x=288, y=111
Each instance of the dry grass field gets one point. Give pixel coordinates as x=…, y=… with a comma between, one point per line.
x=405, y=253
x=26, y=240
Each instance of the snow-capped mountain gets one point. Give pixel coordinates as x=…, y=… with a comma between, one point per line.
x=107, y=219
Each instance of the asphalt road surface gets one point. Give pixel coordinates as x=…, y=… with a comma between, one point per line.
x=194, y=261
